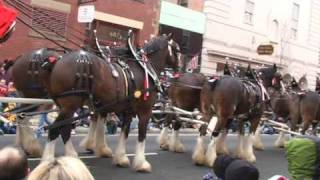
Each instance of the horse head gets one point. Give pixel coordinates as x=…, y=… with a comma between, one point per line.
x=162, y=51
x=303, y=82
x=226, y=69
x=269, y=76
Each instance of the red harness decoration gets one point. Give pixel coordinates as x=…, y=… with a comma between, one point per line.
x=7, y=17
x=146, y=79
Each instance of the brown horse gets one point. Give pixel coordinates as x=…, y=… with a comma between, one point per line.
x=229, y=98
x=291, y=104
x=184, y=93
x=109, y=94
x=31, y=76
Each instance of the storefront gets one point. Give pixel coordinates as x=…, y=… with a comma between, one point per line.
x=187, y=27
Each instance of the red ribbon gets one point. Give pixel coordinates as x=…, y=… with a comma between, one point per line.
x=146, y=78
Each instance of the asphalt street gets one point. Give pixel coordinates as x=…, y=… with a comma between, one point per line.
x=167, y=165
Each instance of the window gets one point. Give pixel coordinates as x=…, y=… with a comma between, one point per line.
x=49, y=22
x=183, y=3
x=248, y=13
x=295, y=21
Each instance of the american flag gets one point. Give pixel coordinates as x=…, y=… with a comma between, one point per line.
x=193, y=64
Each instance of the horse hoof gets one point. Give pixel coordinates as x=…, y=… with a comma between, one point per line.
x=121, y=161
x=198, y=159
x=178, y=148
x=143, y=166
x=164, y=146
x=103, y=152
x=251, y=159
x=259, y=147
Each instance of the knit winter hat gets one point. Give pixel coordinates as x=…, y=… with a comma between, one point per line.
x=221, y=163
x=241, y=170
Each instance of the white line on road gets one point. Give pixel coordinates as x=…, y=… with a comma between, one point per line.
x=93, y=157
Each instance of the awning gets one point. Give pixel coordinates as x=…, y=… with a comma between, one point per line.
x=182, y=18
x=118, y=20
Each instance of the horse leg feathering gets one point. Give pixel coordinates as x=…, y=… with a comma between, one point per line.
x=120, y=158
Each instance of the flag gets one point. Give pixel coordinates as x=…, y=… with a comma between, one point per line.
x=193, y=64
x=8, y=17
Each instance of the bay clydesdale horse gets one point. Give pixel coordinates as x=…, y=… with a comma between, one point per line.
x=229, y=98
x=30, y=74
x=109, y=94
x=184, y=92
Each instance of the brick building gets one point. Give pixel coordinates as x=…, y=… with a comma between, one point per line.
x=112, y=21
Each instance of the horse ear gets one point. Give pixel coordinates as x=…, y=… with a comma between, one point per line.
x=275, y=66
x=169, y=37
x=249, y=67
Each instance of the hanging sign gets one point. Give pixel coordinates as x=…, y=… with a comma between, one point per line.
x=86, y=14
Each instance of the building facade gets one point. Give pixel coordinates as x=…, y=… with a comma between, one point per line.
x=112, y=21
x=235, y=29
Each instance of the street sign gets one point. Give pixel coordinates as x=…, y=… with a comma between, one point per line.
x=266, y=49
x=86, y=13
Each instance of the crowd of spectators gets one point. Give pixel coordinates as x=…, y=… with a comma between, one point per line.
x=14, y=166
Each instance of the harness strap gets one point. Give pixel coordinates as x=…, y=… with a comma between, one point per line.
x=69, y=121
x=125, y=81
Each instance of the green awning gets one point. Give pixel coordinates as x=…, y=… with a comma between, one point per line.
x=181, y=17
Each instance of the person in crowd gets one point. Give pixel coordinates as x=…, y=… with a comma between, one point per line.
x=43, y=120
x=62, y=168
x=230, y=168
x=13, y=164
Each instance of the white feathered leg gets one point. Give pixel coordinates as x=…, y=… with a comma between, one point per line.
x=248, y=148
x=257, y=143
x=280, y=140
x=221, y=143
x=164, y=138
x=69, y=149
x=240, y=146
x=175, y=144
x=101, y=149
x=26, y=138
x=49, y=150
x=211, y=153
x=89, y=141
x=120, y=158
x=140, y=163
x=198, y=156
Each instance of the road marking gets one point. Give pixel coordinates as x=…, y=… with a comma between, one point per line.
x=94, y=157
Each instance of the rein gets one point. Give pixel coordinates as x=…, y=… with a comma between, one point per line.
x=184, y=85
